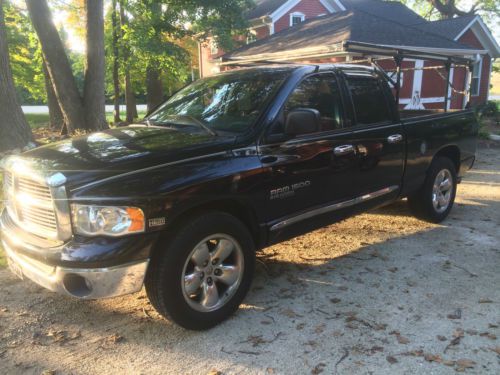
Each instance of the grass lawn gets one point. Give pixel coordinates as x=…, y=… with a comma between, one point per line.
x=40, y=120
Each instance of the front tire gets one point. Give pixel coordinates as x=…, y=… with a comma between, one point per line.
x=435, y=199
x=201, y=276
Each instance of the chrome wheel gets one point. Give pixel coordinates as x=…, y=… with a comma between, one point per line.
x=212, y=273
x=442, y=191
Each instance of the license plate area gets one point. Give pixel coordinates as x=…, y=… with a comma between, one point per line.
x=15, y=268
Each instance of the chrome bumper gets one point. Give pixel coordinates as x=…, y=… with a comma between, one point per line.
x=92, y=283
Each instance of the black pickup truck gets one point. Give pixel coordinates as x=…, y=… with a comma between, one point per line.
x=231, y=164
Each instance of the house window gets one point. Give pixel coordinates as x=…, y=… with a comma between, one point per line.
x=214, y=48
x=296, y=18
x=475, y=84
x=252, y=37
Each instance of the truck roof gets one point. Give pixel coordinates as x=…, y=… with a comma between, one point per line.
x=292, y=66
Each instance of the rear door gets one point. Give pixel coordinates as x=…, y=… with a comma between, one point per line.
x=377, y=136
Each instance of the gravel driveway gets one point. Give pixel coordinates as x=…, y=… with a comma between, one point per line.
x=379, y=293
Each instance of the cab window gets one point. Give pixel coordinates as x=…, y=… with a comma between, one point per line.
x=369, y=100
x=319, y=92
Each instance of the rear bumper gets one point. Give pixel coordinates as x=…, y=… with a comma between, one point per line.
x=92, y=283
x=82, y=268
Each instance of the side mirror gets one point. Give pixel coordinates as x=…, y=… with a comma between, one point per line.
x=302, y=121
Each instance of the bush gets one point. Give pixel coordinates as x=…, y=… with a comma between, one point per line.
x=488, y=109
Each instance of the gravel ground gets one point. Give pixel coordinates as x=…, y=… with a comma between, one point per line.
x=379, y=293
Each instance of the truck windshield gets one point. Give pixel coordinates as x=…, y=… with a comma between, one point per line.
x=230, y=102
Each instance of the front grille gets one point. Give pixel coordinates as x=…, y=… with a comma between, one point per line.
x=30, y=204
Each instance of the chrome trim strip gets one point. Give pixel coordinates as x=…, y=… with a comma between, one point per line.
x=107, y=179
x=333, y=207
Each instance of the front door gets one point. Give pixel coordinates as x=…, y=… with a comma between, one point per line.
x=309, y=171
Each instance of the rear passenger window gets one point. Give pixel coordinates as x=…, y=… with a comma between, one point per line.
x=370, y=104
x=319, y=92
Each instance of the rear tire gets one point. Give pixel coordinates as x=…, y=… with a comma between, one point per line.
x=199, y=276
x=434, y=200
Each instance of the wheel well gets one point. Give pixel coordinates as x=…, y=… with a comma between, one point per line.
x=452, y=153
x=233, y=207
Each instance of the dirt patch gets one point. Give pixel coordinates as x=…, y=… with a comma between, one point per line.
x=379, y=293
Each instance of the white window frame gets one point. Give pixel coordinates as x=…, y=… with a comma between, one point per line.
x=297, y=14
x=478, y=77
x=254, y=33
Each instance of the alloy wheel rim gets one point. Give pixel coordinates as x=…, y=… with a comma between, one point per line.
x=442, y=191
x=212, y=272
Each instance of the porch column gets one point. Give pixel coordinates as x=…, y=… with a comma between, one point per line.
x=446, y=92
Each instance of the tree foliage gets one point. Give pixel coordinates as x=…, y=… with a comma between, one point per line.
x=25, y=55
x=441, y=9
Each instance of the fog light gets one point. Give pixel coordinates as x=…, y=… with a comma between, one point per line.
x=77, y=285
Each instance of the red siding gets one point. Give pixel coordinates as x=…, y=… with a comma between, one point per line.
x=262, y=32
x=311, y=9
x=470, y=39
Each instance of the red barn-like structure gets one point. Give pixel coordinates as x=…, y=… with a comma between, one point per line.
x=430, y=53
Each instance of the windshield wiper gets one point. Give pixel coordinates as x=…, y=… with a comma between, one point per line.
x=200, y=124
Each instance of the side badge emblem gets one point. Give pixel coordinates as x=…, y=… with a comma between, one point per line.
x=156, y=222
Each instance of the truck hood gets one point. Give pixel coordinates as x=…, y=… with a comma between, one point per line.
x=112, y=152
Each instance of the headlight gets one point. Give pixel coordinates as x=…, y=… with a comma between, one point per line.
x=109, y=221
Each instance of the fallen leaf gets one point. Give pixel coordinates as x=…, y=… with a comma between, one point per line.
x=318, y=369
x=214, y=372
x=485, y=300
x=496, y=350
x=392, y=360
x=441, y=338
x=402, y=339
x=335, y=300
x=433, y=358
x=458, y=333
x=449, y=363
x=462, y=364
x=457, y=314
x=48, y=372
x=491, y=336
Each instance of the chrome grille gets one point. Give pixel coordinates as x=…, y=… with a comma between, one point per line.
x=30, y=205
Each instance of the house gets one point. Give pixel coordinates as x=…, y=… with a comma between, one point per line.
x=428, y=54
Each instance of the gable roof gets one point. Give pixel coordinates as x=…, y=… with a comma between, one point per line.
x=388, y=10
x=449, y=28
x=454, y=28
x=349, y=26
x=264, y=8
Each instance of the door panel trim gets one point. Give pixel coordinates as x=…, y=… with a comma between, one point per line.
x=333, y=207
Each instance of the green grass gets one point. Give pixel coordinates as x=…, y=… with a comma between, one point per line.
x=41, y=120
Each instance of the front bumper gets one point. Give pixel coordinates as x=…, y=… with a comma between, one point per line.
x=92, y=283
x=87, y=269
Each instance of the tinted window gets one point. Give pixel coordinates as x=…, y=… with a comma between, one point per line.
x=370, y=104
x=229, y=102
x=319, y=92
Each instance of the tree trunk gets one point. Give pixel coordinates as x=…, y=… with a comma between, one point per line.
x=58, y=65
x=116, y=65
x=55, y=115
x=129, y=94
x=14, y=129
x=130, y=99
x=154, y=87
x=94, y=89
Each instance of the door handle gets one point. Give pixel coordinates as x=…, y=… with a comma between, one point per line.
x=343, y=150
x=396, y=138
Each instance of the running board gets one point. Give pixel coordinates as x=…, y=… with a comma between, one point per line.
x=333, y=207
